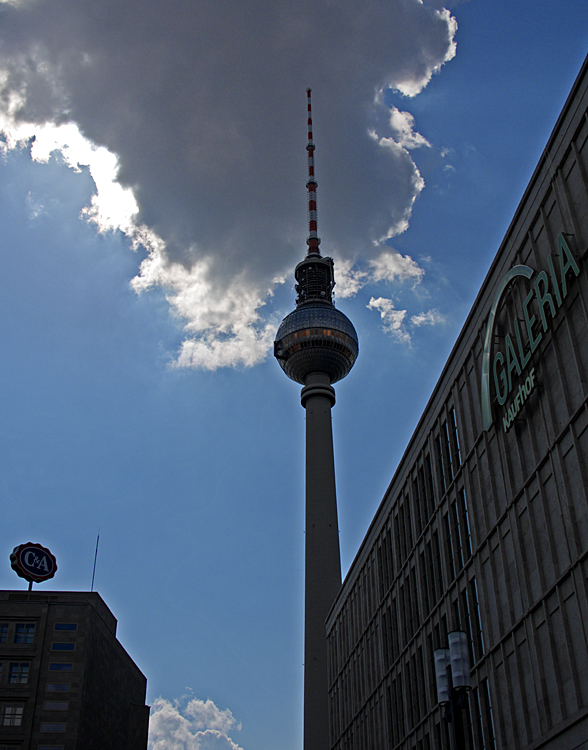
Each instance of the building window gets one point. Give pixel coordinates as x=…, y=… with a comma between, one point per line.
x=439, y=457
x=454, y=439
x=49, y=747
x=447, y=453
x=425, y=583
x=438, y=567
x=3, y=632
x=12, y=715
x=457, y=535
x=414, y=595
x=56, y=705
x=429, y=484
x=63, y=646
x=60, y=667
x=404, y=606
x=396, y=710
x=449, y=547
x=52, y=726
x=18, y=673
x=66, y=626
x=403, y=528
x=58, y=687
x=465, y=523
x=24, y=632
x=477, y=620
x=421, y=681
x=385, y=563
x=420, y=516
x=489, y=719
x=408, y=522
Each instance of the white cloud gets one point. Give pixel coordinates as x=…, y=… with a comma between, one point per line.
x=349, y=278
x=393, y=319
x=410, y=83
x=392, y=266
x=191, y=724
x=193, y=132
x=402, y=123
x=389, y=266
x=34, y=208
x=430, y=318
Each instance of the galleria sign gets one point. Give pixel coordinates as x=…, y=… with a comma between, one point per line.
x=515, y=359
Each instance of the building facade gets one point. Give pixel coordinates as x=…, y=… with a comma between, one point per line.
x=66, y=683
x=484, y=526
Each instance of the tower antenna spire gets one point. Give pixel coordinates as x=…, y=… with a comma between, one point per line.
x=313, y=240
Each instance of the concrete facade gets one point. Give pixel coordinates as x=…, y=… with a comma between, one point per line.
x=484, y=527
x=66, y=683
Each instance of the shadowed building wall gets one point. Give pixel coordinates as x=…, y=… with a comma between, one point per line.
x=485, y=524
x=65, y=680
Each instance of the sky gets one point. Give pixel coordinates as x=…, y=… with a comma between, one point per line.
x=153, y=207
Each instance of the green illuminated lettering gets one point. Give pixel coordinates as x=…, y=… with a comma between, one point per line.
x=569, y=263
x=500, y=396
x=546, y=297
x=554, y=280
x=512, y=361
x=524, y=357
x=529, y=321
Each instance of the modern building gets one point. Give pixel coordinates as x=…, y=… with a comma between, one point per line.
x=66, y=683
x=316, y=345
x=484, y=526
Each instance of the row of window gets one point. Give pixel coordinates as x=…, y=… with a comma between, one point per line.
x=11, y=715
x=479, y=721
x=24, y=632
x=18, y=671
x=415, y=509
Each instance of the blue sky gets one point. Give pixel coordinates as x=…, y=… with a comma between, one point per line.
x=118, y=411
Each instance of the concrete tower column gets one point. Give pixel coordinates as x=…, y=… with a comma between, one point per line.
x=322, y=555
x=316, y=345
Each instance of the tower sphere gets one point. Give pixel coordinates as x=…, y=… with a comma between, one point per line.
x=316, y=337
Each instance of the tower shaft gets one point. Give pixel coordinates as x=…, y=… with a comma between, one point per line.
x=322, y=556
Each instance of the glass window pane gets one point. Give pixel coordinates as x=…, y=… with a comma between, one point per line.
x=58, y=687
x=59, y=667
x=18, y=673
x=12, y=716
x=62, y=646
x=66, y=626
x=52, y=726
x=24, y=632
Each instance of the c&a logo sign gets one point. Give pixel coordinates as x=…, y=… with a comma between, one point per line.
x=33, y=562
x=513, y=361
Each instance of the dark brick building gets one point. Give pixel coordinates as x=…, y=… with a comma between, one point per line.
x=66, y=683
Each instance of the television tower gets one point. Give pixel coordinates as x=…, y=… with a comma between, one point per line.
x=316, y=345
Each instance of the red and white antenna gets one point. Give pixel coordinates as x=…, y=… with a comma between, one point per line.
x=313, y=240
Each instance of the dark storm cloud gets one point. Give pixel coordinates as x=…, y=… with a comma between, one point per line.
x=204, y=105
